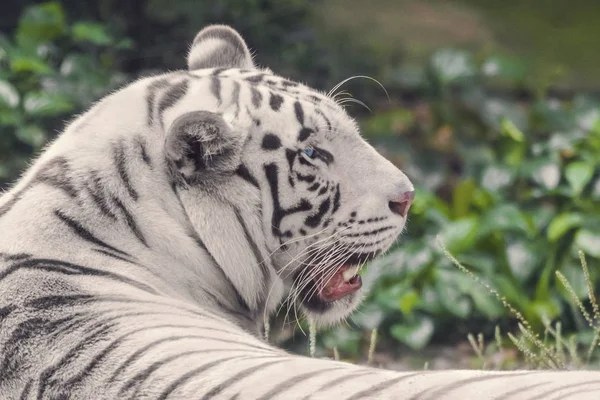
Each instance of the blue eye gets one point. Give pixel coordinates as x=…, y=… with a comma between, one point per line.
x=309, y=152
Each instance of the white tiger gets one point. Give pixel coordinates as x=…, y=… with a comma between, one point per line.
x=142, y=252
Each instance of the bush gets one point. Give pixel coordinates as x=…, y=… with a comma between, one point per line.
x=508, y=177
x=50, y=69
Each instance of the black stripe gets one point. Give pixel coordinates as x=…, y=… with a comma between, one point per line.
x=242, y=172
x=299, y=112
x=84, y=234
x=444, y=389
x=144, y=152
x=131, y=221
x=255, y=78
x=520, y=390
x=50, y=302
x=98, y=332
x=338, y=380
x=16, y=256
x=314, y=220
x=271, y=172
x=67, y=268
x=327, y=121
x=121, y=164
x=369, y=233
x=87, y=370
x=16, y=345
x=25, y=393
x=324, y=155
x=275, y=101
x=94, y=188
x=256, y=97
x=544, y=395
x=238, y=377
x=236, y=97
x=305, y=178
x=373, y=390
x=153, y=89
x=172, y=95
x=336, y=199
x=139, y=379
x=186, y=377
x=140, y=352
x=271, y=142
x=260, y=259
x=314, y=187
x=215, y=88
x=291, y=156
x=304, y=134
x=116, y=257
x=55, y=173
x=293, y=381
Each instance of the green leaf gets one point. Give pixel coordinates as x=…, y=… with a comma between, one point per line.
x=504, y=67
x=462, y=197
x=451, y=65
x=460, y=235
x=408, y=301
x=578, y=175
x=42, y=22
x=562, y=223
x=8, y=95
x=32, y=135
x=91, y=32
x=26, y=63
x=415, y=335
x=588, y=242
x=510, y=130
x=505, y=217
x=522, y=259
x=545, y=173
x=46, y=104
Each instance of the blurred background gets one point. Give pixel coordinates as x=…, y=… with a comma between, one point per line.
x=494, y=113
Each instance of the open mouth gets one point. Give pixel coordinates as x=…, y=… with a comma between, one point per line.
x=344, y=282
x=321, y=287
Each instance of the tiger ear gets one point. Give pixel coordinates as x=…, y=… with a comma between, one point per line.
x=200, y=146
x=219, y=46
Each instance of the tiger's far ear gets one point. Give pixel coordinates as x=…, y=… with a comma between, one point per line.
x=219, y=46
x=200, y=147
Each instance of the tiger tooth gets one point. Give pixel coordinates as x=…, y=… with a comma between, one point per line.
x=349, y=273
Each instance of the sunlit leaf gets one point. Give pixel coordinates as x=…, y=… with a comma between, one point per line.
x=461, y=234
x=509, y=129
x=415, y=335
x=562, y=223
x=408, y=301
x=8, y=95
x=451, y=65
x=32, y=135
x=42, y=22
x=91, y=32
x=588, y=242
x=40, y=103
x=578, y=175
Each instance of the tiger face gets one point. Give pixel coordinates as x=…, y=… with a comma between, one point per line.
x=327, y=201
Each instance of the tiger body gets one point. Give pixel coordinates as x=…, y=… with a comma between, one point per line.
x=143, y=251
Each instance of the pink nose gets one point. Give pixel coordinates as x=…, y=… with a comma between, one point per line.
x=401, y=205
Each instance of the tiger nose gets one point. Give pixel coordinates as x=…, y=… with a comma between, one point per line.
x=401, y=204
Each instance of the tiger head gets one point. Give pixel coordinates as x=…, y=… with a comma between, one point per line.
x=314, y=200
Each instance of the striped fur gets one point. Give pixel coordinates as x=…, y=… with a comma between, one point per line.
x=142, y=252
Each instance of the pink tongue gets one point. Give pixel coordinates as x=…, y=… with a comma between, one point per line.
x=336, y=288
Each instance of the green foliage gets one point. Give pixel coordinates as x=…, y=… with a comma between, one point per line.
x=50, y=69
x=510, y=184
